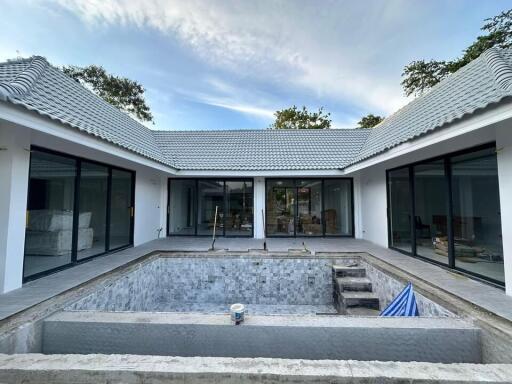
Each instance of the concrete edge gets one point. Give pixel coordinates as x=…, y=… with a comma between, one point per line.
x=311, y=321
x=38, y=368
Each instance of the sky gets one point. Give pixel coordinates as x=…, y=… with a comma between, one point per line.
x=231, y=64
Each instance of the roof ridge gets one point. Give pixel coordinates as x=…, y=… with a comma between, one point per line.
x=24, y=80
x=499, y=67
x=258, y=130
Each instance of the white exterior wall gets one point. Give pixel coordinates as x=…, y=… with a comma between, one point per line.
x=150, y=206
x=371, y=206
x=504, y=149
x=14, y=169
x=259, y=207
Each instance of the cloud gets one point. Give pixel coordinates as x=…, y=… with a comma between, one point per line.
x=332, y=49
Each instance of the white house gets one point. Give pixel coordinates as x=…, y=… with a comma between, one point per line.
x=79, y=179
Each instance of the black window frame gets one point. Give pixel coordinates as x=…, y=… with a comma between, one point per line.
x=451, y=266
x=76, y=205
x=195, y=206
x=322, y=179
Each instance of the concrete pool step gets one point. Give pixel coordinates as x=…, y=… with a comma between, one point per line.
x=354, y=284
x=359, y=299
x=362, y=311
x=344, y=271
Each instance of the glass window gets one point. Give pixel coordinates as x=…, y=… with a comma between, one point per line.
x=399, y=193
x=51, y=199
x=476, y=220
x=309, y=208
x=121, y=209
x=338, y=207
x=239, y=208
x=210, y=199
x=92, y=222
x=431, y=210
x=182, y=220
x=280, y=206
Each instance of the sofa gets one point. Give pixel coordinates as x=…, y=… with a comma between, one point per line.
x=49, y=232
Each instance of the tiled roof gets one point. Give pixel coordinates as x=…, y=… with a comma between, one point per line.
x=261, y=149
x=484, y=81
x=36, y=85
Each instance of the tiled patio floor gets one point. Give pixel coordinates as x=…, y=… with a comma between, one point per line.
x=487, y=297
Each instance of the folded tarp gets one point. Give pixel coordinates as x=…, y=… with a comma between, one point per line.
x=403, y=305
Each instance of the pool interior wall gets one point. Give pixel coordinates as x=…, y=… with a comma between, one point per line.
x=267, y=285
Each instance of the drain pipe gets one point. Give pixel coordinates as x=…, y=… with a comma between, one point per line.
x=264, y=231
x=214, y=228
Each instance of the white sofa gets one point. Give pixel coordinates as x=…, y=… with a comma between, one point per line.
x=49, y=232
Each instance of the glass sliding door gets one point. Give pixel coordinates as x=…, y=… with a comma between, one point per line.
x=92, y=221
x=281, y=207
x=400, y=205
x=476, y=214
x=182, y=199
x=338, y=215
x=309, y=208
x=121, y=209
x=431, y=211
x=76, y=209
x=50, y=209
x=192, y=204
x=210, y=199
x=456, y=205
x=239, y=208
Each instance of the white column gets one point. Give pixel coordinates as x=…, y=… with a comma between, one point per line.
x=14, y=169
x=504, y=148
x=259, y=207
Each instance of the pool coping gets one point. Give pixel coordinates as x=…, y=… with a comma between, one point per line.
x=38, y=368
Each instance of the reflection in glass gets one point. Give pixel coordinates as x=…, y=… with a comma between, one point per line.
x=309, y=208
x=400, y=209
x=431, y=204
x=210, y=196
x=239, y=208
x=476, y=220
x=280, y=205
x=121, y=209
x=182, y=220
x=92, y=223
x=338, y=207
x=48, y=237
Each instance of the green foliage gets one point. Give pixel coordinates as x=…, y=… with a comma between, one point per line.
x=421, y=75
x=123, y=93
x=294, y=118
x=369, y=121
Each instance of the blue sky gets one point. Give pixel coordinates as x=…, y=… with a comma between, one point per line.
x=230, y=64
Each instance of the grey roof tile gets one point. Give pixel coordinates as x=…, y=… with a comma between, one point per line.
x=36, y=85
x=484, y=81
x=261, y=149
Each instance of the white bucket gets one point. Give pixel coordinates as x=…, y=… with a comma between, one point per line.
x=237, y=313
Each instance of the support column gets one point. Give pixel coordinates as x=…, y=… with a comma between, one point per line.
x=504, y=149
x=259, y=207
x=14, y=169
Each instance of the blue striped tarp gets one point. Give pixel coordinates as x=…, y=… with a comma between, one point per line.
x=403, y=305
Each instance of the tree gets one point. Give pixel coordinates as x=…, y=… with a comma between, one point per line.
x=420, y=75
x=294, y=118
x=123, y=93
x=369, y=121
